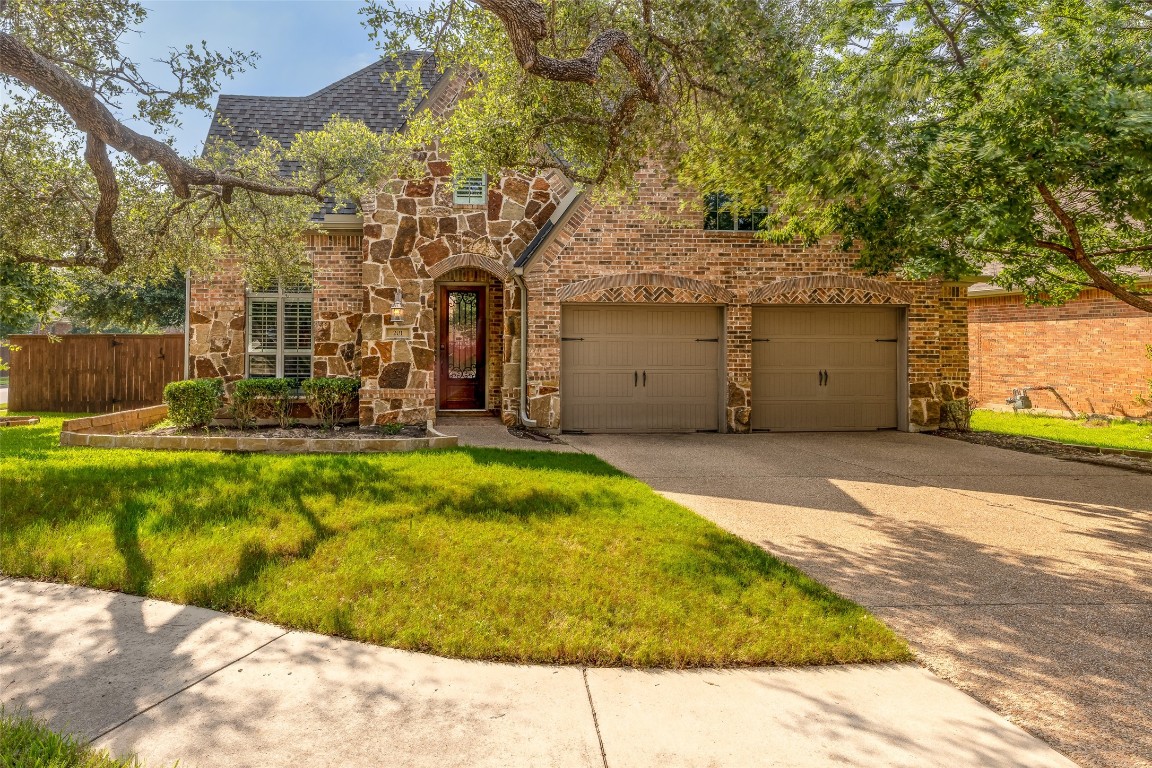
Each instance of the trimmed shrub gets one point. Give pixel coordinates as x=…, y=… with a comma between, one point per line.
x=193, y=403
x=957, y=414
x=254, y=399
x=330, y=398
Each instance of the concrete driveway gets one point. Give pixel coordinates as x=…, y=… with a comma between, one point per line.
x=1024, y=580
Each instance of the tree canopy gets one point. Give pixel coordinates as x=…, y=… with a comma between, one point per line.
x=80, y=188
x=938, y=137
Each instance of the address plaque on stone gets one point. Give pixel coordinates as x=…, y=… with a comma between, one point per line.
x=397, y=333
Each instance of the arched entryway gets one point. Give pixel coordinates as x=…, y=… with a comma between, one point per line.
x=469, y=337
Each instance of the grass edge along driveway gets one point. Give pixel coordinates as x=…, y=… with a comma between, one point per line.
x=1125, y=435
x=520, y=556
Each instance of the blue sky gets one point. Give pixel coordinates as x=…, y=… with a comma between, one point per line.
x=303, y=46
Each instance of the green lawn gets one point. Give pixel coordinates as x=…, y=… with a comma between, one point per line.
x=1115, y=434
x=28, y=743
x=473, y=553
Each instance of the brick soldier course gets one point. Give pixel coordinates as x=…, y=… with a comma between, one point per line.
x=412, y=238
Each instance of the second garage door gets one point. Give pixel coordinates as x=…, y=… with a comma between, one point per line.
x=824, y=368
x=640, y=368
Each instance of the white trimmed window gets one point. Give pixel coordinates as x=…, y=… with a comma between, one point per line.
x=280, y=333
x=471, y=191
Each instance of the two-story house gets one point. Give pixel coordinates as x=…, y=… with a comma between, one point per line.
x=526, y=298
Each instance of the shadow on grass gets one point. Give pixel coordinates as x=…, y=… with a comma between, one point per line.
x=582, y=463
x=126, y=534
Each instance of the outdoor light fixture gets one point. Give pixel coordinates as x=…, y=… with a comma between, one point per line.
x=397, y=313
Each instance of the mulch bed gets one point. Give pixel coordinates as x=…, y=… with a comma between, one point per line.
x=349, y=432
x=1048, y=448
x=527, y=434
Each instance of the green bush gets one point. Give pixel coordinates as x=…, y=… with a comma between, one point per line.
x=193, y=403
x=254, y=399
x=957, y=414
x=330, y=398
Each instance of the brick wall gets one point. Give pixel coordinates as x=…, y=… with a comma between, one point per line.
x=652, y=250
x=217, y=311
x=662, y=232
x=1091, y=349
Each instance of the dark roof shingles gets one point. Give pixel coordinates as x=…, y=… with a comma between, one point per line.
x=364, y=95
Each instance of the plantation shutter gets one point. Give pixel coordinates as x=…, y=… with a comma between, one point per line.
x=471, y=191
x=263, y=337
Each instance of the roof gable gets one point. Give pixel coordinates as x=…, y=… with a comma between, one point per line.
x=362, y=95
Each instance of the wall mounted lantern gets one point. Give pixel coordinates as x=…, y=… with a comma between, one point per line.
x=397, y=313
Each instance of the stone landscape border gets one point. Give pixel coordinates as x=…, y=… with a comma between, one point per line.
x=18, y=421
x=112, y=430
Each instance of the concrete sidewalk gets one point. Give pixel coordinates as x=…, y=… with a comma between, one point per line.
x=174, y=683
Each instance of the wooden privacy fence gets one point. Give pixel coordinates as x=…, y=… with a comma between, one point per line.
x=92, y=373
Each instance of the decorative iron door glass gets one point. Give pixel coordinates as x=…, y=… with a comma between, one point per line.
x=463, y=327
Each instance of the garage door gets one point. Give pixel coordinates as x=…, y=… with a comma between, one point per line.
x=824, y=368
x=639, y=368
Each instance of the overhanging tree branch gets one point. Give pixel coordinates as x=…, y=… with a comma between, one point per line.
x=526, y=22
x=96, y=153
x=1077, y=255
x=93, y=118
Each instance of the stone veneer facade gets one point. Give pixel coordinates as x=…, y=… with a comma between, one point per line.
x=654, y=250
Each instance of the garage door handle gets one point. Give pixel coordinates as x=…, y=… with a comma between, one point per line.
x=707, y=339
x=635, y=378
x=645, y=378
x=571, y=338
x=889, y=340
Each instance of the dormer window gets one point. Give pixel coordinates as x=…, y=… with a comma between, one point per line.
x=718, y=215
x=471, y=191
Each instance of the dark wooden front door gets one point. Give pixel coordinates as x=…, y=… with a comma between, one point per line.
x=463, y=329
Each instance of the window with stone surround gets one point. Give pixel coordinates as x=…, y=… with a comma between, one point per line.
x=719, y=216
x=471, y=191
x=279, y=333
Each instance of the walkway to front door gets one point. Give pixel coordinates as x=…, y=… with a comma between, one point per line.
x=463, y=330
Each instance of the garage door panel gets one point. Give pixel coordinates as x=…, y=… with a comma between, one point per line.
x=687, y=386
x=676, y=354
x=860, y=389
x=611, y=348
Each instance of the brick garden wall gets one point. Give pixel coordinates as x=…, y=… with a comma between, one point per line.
x=1091, y=349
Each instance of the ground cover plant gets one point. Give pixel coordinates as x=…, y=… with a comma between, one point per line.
x=473, y=553
x=1105, y=434
x=28, y=743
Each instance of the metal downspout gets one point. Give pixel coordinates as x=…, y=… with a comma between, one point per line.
x=518, y=276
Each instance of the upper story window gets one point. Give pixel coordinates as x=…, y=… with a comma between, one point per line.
x=718, y=215
x=471, y=191
x=279, y=333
